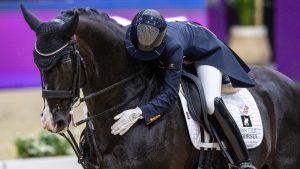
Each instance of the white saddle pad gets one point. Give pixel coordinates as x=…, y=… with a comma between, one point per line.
x=242, y=108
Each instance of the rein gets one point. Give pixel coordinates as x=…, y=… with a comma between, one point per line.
x=105, y=90
x=112, y=86
x=79, y=151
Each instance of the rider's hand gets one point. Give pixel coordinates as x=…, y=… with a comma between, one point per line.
x=125, y=120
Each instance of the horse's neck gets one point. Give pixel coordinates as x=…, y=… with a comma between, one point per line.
x=106, y=63
x=102, y=48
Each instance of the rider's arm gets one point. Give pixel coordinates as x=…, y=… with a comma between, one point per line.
x=161, y=103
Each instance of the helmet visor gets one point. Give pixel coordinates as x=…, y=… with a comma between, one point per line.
x=149, y=37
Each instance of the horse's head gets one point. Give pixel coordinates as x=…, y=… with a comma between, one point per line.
x=56, y=57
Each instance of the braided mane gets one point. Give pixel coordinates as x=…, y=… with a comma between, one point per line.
x=95, y=15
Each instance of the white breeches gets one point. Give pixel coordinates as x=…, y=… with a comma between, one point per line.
x=211, y=79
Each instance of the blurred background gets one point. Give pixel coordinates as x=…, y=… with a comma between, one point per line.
x=264, y=32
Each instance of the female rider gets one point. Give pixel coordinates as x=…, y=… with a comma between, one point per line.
x=150, y=37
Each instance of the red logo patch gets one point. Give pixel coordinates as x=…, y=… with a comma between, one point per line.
x=245, y=110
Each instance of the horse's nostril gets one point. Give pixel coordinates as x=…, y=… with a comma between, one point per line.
x=60, y=124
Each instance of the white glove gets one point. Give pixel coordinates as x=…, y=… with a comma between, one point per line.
x=125, y=120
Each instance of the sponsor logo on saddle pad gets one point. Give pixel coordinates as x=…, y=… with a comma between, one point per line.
x=242, y=108
x=246, y=121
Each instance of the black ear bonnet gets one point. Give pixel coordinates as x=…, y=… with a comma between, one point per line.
x=50, y=46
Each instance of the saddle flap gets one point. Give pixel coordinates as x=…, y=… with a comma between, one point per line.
x=194, y=94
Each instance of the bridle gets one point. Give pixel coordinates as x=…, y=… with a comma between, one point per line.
x=74, y=95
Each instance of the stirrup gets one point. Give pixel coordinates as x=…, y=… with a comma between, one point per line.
x=243, y=165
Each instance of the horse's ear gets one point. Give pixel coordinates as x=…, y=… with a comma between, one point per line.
x=68, y=29
x=32, y=21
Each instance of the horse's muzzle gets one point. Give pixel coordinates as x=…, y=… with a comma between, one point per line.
x=55, y=123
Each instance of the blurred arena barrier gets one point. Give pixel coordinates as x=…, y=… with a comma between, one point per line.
x=63, y=162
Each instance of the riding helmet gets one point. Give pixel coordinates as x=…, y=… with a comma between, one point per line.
x=145, y=37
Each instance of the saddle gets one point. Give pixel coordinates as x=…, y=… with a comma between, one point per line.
x=239, y=102
x=192, y=87
x=194, y=94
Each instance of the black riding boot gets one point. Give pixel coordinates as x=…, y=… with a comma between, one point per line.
x=229, y=137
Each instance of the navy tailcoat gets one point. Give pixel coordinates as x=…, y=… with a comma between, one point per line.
x=196, y=43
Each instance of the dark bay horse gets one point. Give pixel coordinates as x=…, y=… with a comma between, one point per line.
x=166, y=143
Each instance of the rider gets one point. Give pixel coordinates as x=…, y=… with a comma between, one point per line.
x=150, y=37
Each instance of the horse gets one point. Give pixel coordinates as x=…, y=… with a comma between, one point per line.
x=113, y=81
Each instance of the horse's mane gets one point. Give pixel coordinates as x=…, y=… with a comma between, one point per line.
x=95, y=15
